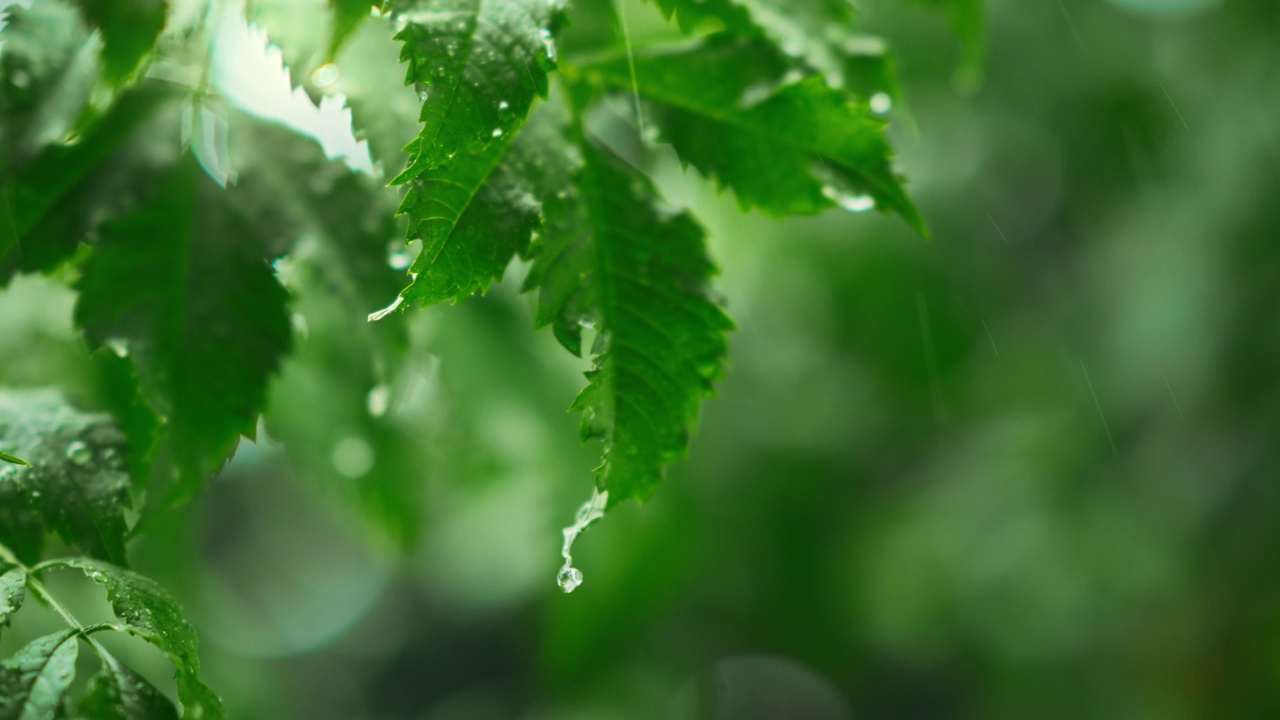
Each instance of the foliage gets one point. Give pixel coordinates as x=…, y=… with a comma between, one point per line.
x=143, y=163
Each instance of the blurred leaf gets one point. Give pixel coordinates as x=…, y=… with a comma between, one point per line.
x=788, y=146
x=149, y=612
x=129, y=30
x=12, y=459
x=77, y=485
x=34, y=681
x=967, y=21
x=347, y=17
x=206, y=330
x=479, y=65
x=118, y=693
x=13, y=590
x=611, y=259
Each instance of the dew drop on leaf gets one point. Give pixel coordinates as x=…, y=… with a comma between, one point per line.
x=79, y=453
x=325, y=75
x=881, y=103
x=569, y=577
x=853, y=202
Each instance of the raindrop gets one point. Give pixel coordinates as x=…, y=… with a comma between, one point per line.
x=881, y=103
x=79, y=453
x=853, y=202
x=569, y=577
x=399, y=260
x=497, y=132
x=325, y=75
x=503, y=105
x=118, y=347
x=549, y=45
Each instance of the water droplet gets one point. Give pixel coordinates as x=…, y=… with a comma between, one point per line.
x=549, y=45
x=325, y=75
x=399, y=260
x=378, y=400
x=79, y=453
x=376, y=316
x=497, y=132
x=118, y=347
x=504, y=105
x=881, y=103
x=853, y=202
x=352, y=457
x=569, y=579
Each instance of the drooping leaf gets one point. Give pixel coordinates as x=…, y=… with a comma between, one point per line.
x=12, y=459
x=473, y=215
x=612, y=259
x=148, y=611
x=478, y=64
x=129, y=30
x=118, y=693
x=34, y=682
x=206, y=329
x=77, y=485
x=13, y=590
x=789, y=146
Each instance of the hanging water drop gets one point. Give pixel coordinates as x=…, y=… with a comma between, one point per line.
x=376, y=316
x=79, y=453
x=881, y=103
x=853, y=202
x=325, y=75
x=497, y=132
x=399, y=260
x=569, y=577
x=378, y=400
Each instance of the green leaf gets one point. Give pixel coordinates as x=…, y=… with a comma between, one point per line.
x=789, y=146
x=347, y=17
x=129, y=29
x=473, y=215
x=611, y=259
x=78, y=485
x=12, y=459
x=206, y=329
x=150, y=612
x=34, y=682
x=13, y=590
x=478, y=65
x=118, y=693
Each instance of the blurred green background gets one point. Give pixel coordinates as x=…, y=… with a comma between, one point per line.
x=1026, y=469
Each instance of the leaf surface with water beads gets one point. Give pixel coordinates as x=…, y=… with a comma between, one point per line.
x=34, y=682
x=13, y=590
x=479, y=64
x=118, y=693
x=151, y=613
x=789, y=146
x=206, y=329
x=77, y=486
x=612, y=259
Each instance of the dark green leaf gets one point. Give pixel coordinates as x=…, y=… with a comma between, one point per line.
x=34, y=681
x=129, y=30
x=478, y=64
x=611, y=259
x=789, y=146
x=118, y=693
x=206, y=329
x=151, y=613
x=77, y=486
x=13, y=589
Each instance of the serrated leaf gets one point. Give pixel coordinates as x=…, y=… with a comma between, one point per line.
x=129, y=30
x=12, y=459
x=473, y=215
x=787, y=146
x=13, y=590
x=118, y=693
x=478, y=64
x=612, y=259
x=207, y=328
x=77, y=485
x=148, y=611
x=34, y=681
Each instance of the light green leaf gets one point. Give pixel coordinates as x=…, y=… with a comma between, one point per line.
x=787, y=146
x=13, y=590
x=611, y=259
x=118, y=693
x=129, y=30
x=12, y=459
x=207, y=327
x=34, y=682
x=150, y=612
x=78, y=485
x=478, y=64
x=347, y=17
